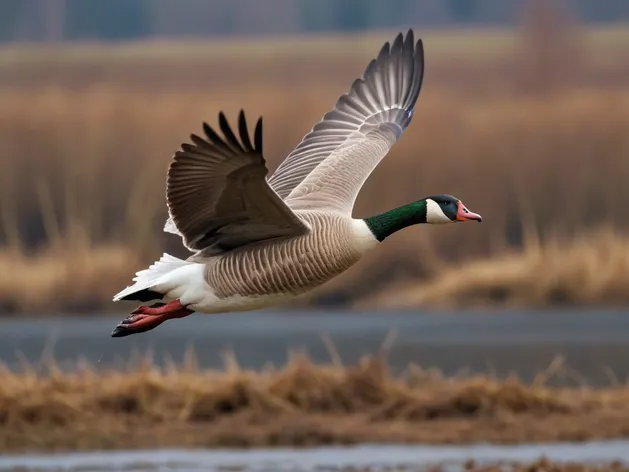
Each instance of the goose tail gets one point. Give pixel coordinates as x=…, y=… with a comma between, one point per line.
x=147, y=279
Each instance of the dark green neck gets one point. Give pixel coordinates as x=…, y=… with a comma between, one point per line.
x=387, y=223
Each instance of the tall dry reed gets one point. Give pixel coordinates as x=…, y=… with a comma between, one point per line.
x=300, y=404
x=84, y=156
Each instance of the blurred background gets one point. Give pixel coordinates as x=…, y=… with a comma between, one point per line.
x=524, y=115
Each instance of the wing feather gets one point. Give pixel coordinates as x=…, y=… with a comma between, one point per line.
x=217, y=194
x=364, y=124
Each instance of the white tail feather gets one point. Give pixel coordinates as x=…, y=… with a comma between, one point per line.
x=147, y=278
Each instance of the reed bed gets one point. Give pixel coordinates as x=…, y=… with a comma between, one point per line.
x=587, y=270
x=299, y=404
x=85, y=147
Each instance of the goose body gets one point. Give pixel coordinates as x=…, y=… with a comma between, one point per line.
x=269, y=273
x=258, y=242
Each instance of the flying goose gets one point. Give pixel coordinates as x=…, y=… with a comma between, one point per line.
x=257, y=241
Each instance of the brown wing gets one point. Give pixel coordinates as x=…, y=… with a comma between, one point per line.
x=217, y=194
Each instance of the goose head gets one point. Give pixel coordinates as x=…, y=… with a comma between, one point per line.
x=441, y=209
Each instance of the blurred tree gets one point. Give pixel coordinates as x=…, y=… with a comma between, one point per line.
x=551, y=48
x=463, y=11
x=51, y=20
x=316, y=15
x=10, y=10
x=391, y=14
x=353, y=15
x=54, y=16
x=269, y=17
x=110, y=19
x=603, y=10
x=347, y=15
x=197, y=18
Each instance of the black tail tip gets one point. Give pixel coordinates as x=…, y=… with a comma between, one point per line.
x=145, y=295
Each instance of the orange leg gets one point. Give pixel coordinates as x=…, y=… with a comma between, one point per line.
x=145, y=318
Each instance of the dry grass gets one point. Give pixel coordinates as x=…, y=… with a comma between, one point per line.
x=589, y=270
x=83, y=277
x=302, y=404
x=86, y=144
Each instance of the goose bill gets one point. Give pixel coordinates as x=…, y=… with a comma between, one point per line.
x=463, y=214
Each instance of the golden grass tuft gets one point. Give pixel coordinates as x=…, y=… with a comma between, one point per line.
x=588, y=270
x=85, y=150
x=300, y=404
x=82, y=277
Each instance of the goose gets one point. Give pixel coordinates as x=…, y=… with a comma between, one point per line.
x=258, y=241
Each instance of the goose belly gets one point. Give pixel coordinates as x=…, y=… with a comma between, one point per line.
x=272, y=272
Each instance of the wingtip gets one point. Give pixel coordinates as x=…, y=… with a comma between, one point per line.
x=398, y=44
x=410, y=37
x=257, y=136
x=207, y=129
x=420, y=54
x=223, y=121
x=384, y=51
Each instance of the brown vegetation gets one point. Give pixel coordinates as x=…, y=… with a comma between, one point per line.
x=302, y=404
x=589, y=270
x=86, y=136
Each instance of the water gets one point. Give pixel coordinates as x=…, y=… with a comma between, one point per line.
x=595, y=343
x=373, y=457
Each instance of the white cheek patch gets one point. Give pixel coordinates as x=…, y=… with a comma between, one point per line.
x=434, y=213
